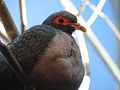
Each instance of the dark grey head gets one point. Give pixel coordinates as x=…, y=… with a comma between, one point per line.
x=64, y=21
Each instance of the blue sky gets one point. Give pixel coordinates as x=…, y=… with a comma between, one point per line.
x=38, y=10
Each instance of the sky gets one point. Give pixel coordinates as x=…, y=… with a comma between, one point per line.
x=37, y=12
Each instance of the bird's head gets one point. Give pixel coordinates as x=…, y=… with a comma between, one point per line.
x=64, y=21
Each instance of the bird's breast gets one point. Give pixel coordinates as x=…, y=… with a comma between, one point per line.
x=59, y=63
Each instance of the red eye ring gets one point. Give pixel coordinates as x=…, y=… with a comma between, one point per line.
x=61, y=20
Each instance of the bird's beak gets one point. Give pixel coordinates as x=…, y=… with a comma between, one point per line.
x=77, y=26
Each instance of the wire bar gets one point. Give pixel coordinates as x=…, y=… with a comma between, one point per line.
x=107, y=19
x=8, y=22
x=3, y=35
x=96, y=12
x=84, y=3
x=23, y=16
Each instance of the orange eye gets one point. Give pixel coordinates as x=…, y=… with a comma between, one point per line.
x=61, y=20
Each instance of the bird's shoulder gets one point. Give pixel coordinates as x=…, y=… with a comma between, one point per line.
x=34, y=40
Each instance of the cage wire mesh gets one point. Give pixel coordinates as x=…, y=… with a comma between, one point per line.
x=97, y=11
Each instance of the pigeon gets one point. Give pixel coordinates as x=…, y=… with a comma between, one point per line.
x=48, y=54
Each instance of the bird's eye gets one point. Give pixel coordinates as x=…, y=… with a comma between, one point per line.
x=61, y=20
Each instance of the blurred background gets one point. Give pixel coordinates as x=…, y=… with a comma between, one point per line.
x=102, y=17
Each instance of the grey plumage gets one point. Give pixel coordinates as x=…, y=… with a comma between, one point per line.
x=50, y=58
